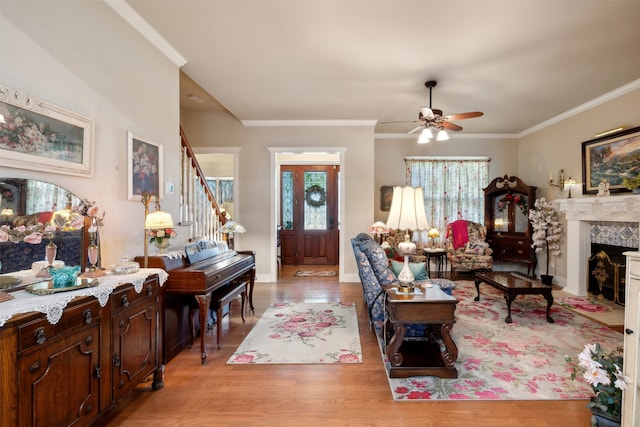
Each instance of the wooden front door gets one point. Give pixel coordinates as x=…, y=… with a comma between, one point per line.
x=309, y=214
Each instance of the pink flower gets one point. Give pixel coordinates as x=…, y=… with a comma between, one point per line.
x=421, y=395
x=243, y=358
x=348, y=358
x=33, y=238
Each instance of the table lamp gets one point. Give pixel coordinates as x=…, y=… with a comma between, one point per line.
x=433, y=234
x=152, y=221
x=379, y=229
x=407, y=213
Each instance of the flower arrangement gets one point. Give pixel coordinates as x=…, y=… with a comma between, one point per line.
x=510, y=198
x=7, y=194
x=73, y=220
x=547, y=229
x=158, y=235
x=230, y=227
x=631, y=183
x=603, y=372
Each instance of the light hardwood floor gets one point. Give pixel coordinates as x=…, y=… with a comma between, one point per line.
x=217, y=394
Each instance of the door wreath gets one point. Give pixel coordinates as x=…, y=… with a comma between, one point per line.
x=315, y=196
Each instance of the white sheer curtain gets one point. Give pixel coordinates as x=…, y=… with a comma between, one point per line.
x=452, y=187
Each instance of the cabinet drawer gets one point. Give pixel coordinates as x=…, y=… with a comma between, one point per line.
x=126, y=296
x=634, y=267
x=39, y=331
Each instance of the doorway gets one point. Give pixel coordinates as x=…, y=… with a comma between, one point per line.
x=309, y=206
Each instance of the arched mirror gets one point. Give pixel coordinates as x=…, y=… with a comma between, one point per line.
x=28, y=202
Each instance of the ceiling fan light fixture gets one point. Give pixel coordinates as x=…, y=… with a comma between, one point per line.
x=425, y=136
x=442, y=135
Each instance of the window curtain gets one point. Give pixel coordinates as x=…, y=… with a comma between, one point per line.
x=452, y=187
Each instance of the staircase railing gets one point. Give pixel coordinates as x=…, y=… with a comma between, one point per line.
x=198, y=207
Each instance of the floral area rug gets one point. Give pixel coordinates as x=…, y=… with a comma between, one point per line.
x=524, y=360
x=313, y=273
x=302, y=333
x=582, y=304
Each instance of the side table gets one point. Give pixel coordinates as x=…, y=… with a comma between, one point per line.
x=440, y=256
x=434, y=354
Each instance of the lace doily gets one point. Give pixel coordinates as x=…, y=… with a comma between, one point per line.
x=54, y=305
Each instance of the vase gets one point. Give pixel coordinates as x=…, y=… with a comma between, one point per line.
x=92, y=252
x=603, y=420
x=162, y=244
x=546, y=279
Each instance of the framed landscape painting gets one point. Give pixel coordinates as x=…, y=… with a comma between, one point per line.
x=610, y=158
x=144, y=167
x=40, y=136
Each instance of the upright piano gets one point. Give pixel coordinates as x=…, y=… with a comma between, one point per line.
x=203, y=269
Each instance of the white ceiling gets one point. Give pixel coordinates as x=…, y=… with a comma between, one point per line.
x=521, y=62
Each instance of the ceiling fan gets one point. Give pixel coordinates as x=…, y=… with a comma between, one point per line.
x=432, y=118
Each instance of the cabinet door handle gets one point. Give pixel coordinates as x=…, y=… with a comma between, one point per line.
x=125, y=301
x=628, y=331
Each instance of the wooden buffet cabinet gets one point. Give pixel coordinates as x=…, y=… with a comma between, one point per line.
x=507, y=201
x=72, y=372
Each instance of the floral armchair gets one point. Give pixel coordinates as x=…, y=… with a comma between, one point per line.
x=468, y=250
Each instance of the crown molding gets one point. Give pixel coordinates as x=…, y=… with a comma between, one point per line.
x=122, y=8
x=293, y=123
x=623, y=90
x=452, y=135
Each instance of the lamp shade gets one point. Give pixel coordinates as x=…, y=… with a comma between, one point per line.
x=158, y=219
x=407, y=209
x=379, y=227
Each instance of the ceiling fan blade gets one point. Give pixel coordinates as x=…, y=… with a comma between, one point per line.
x=415, y=129
x=451, y=126
x=461, y=116
x=403, y=121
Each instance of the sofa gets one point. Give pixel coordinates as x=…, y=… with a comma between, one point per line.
x=467, y=250
x=377, y=276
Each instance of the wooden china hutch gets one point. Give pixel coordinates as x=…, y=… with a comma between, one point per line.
x=507, y=201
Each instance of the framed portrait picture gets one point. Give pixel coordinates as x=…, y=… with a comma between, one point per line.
x=144, y=167
x=386, y=194
x=610, y=158
x=41, y=136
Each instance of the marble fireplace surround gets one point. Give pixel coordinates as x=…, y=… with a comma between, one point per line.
x=580, y=213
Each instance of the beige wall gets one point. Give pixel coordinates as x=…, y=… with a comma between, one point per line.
x=84, y=57
x=543, y=153
x=255, y=209
x=390, y=154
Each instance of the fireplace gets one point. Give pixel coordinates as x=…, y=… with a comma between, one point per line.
x=621, y=212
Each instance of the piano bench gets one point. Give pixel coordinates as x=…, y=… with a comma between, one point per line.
x=219, y=298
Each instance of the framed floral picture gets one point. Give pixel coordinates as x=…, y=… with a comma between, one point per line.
x=41, y=136
x=144, y=167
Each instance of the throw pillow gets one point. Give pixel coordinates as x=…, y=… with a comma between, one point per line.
x=419, y=269
x=476, y=248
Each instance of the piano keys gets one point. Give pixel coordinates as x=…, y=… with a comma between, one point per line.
x=192, y=279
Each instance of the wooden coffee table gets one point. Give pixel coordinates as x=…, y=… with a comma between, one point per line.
x=434, y=354
x=513, y=284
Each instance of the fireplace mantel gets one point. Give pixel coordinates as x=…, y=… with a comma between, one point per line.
x=579, y=213
x=612, y=209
